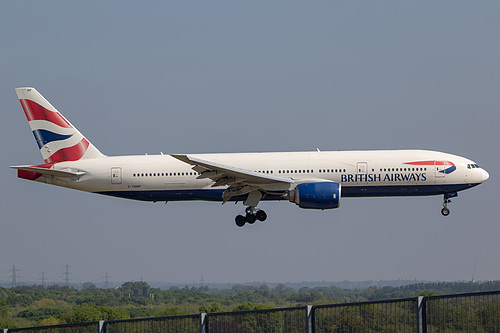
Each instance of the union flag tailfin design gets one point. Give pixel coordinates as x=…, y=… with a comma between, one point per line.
x=57, y=139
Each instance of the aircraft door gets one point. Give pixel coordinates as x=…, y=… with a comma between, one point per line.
x=362, y=168
x=116, y=175
x=440, y=167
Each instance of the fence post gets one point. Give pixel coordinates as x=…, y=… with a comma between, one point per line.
x=203, y=323
x=421, y=325
x=5, y=330
x=102, y=326
x=309, y=319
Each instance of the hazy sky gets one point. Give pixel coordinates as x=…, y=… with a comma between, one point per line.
x=238, y=76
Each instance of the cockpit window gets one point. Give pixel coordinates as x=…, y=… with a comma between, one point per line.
x=473, y=166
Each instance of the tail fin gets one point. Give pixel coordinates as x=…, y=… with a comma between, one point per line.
x=57, y=139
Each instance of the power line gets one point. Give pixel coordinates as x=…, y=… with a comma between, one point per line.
x=106, y=280
x=66, y=275
x=14, y=276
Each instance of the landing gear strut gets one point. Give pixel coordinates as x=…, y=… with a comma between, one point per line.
x=446, y=200
x=251, y=215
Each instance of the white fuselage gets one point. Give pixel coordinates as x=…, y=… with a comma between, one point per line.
x=360, y=173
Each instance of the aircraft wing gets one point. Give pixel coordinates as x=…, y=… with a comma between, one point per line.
x=240, y=181
x=58, y=173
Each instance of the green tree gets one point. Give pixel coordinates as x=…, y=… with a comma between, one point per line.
x=89, y=312
x=88, y=285
x=211, y=308
x=4, y=308
x=178, y=311
x=246, y=306
x=129, y=287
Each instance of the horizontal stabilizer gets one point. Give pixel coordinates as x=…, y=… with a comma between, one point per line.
x=51, y=172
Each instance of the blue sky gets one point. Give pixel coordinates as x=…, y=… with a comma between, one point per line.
x=234, y=76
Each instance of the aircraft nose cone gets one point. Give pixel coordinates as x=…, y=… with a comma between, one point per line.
x=485, y=175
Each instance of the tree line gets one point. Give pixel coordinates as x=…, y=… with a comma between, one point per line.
x=36, y=305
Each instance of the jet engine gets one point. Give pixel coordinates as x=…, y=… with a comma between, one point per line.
x=319, y=195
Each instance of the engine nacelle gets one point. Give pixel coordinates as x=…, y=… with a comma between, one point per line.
x=320, y=195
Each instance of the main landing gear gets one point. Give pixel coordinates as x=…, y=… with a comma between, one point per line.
x=446, y=200
x=251, y=215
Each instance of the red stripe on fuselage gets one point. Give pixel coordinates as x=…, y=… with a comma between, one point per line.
x=72, y=153
x=35, y=111
x=431, y=163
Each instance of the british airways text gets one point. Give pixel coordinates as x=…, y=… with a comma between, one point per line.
x=389, y=177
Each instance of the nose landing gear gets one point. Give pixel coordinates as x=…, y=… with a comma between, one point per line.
x=251, y=215
x=446, y=200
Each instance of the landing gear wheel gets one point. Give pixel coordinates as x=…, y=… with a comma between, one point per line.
x=250, y=218
x=445, y=211
x=261, y=215
x=240, y=220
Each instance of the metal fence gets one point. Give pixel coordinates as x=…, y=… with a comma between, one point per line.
x=382, y=316
x=473, y=312
x=292, y=320
x=477, y=312
x=73, y=328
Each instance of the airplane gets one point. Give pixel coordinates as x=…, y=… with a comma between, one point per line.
x=311, y=179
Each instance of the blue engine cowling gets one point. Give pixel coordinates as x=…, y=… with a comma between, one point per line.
x=321, y=195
